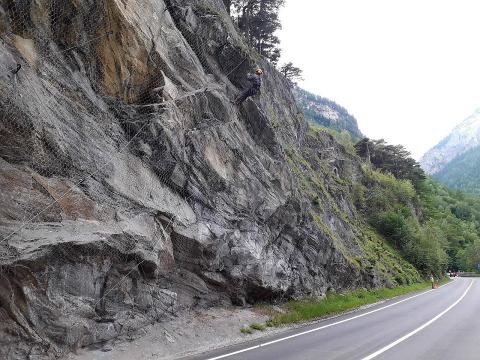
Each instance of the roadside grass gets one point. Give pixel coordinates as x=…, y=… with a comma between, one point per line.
x=334, y=303
x=309, y=309
x=298, y=311
x=246, y=330
x=257, y=326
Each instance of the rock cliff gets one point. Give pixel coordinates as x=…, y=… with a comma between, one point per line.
x=131, y=188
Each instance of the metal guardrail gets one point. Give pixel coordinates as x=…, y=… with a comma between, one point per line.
x=469, y=274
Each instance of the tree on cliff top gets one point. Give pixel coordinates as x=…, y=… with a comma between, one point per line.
x=394, y=159
x=258, y=21
x=291, y=73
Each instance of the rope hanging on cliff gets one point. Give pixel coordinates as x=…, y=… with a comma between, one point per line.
x=236, y=67
x=183, y=96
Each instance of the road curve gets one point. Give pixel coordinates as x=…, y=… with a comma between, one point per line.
x=437, y=324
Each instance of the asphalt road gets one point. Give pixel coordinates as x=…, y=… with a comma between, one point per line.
x=438, y=324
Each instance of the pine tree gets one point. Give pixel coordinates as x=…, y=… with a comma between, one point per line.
x=228, y=5
x=258, y=21
x=291, y=73
x=394, y=159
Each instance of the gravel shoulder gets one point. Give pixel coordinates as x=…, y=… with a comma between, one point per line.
x=188, y=334
x=194, y=333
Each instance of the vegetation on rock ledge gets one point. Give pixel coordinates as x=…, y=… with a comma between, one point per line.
x=433, y=227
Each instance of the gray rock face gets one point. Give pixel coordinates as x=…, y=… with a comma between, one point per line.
x=131, y=188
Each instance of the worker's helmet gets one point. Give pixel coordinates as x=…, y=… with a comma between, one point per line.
x=259, y=71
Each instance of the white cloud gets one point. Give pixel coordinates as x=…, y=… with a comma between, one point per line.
x=408, y=70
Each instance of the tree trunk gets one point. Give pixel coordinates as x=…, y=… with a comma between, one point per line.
x=228, y=5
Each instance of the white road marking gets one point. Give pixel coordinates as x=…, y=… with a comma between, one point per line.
x=405, y=337
x=322, y=327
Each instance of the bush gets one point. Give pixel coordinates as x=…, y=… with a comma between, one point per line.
x=395, y=227
x=257, y=326
x=246, y=330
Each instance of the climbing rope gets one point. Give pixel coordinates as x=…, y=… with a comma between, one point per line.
x=182, y=97
x=236, y=67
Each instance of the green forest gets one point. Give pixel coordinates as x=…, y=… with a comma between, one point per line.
x=434, y=227
x=315, y=107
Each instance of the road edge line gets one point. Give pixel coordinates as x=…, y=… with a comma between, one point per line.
x=324, y=326
x=420, y=328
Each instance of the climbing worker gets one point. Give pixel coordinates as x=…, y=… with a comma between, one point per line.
x=254, y=89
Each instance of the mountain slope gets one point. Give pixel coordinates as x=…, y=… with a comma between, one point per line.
x=463, y=172
x=322, y=111
x=462, y=138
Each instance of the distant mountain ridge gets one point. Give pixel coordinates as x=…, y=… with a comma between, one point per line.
x=464, y=137
x=455, y=161
x=463, y=172
x=326, y=112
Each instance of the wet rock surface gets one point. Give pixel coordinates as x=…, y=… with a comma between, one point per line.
x=132, y=189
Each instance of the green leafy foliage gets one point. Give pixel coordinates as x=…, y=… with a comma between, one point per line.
x=391, y=158
x=291, y=73
x=258, y=327
x=434, y=227
x=395, y=226
x=457, y=216
x=343, y=137
x=246, y=330
x=391, y=206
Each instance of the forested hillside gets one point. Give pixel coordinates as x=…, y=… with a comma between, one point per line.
x=455, y=220
x=434, y=227
x=463, y=172
x=324, y=112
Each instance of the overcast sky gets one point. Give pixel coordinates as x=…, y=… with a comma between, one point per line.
x=408, y=70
